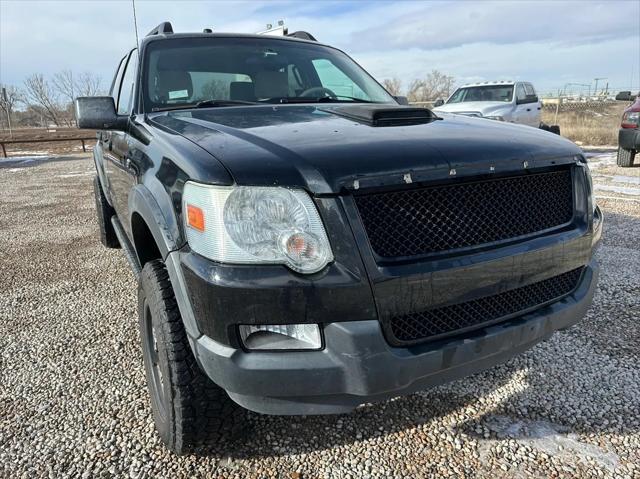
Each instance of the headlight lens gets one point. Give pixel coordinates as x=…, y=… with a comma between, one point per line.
x=256, y=225
x=587, y=172
x=495, y=117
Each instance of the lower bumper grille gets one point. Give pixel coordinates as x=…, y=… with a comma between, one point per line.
x=457, y=318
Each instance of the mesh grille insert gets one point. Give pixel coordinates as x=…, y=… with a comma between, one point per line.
x=411, y=328
x=439, y=218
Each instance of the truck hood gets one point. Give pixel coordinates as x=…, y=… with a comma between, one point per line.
x=317, y=148
x=484, y=108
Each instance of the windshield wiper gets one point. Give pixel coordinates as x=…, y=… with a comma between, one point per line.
x=215, y=103
x=310, y=99
x=206, y=104
x=339, y=98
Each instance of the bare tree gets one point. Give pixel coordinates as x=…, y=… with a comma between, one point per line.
x=40, y=93
x=65, y=87
x=415, y=92
x=88, y=84
x=436, y=85
x=393, y=85
x=11, y=97
x=69, y=86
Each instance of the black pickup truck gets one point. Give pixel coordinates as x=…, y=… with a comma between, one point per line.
x=304, y=242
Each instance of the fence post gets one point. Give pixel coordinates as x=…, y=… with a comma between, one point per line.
x=83, y=148
x=555, y=121
x=4, y=152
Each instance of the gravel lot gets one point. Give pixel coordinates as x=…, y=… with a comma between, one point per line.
x=73, y=400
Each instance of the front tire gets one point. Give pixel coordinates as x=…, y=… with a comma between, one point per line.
x=189, y=410
x=625, y=157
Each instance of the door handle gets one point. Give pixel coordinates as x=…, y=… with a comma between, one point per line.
x=528, y=109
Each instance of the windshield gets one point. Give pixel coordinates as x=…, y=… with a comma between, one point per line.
x=483, y=93
x=191, y=70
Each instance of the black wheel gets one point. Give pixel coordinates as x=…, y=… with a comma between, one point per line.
x=189, y=410
x=625, y=157
x=554, y=129
x=104, y=212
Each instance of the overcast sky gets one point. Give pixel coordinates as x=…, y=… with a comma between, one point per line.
x=549, y=43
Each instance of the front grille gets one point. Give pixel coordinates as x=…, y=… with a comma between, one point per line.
x=446, y=217
x=416, y=327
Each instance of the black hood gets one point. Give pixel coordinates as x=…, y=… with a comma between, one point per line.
x=324, y=150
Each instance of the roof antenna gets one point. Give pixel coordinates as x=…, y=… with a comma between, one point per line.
x=135, y=22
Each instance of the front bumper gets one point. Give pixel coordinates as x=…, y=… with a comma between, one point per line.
x=358, y=366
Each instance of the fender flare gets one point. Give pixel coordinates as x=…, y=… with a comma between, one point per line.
x=167, y=237
x=165, y=233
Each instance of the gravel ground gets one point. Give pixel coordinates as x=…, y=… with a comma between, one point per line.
x=73, y=400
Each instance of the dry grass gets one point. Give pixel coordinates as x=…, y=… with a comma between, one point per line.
x=588, y=127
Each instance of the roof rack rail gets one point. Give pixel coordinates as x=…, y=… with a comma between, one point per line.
x=162, y=29
x=302, y=35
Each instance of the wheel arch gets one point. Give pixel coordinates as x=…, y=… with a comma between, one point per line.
x=153, y=235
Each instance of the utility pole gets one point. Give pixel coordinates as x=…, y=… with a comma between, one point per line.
x=595, y=90
x=6, y=107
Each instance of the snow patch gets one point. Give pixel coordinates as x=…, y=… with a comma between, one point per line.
x=552, y=439
x=623, y=190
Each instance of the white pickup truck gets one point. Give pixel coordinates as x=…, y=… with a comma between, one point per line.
x=515, y=102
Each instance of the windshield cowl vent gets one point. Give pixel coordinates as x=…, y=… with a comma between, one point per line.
x=384, y=115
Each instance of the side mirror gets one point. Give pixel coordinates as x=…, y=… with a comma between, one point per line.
x=625, y=96
x=438, y=102
x=99, y=113
x=402, y=100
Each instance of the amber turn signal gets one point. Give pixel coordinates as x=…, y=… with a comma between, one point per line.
x=195, y=217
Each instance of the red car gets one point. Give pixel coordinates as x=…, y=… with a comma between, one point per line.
x=629, y=134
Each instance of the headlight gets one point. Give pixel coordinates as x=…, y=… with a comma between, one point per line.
x=495, y=117
x=587, y=172
x=255, y=225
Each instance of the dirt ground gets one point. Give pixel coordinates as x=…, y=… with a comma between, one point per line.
x=73, y=399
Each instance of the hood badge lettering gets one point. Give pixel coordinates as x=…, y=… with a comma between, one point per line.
x=525, y=164
x=356, y=184
x=407, y=178
x=452, y=172
x=492, y=168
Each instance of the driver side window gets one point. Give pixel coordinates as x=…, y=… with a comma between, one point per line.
x=520, y=93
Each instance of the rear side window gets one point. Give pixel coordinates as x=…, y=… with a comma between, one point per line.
x=528, y=89
x=125, y=98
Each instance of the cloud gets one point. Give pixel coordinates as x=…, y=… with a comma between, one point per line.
x=439, y=25
x=548, y=43
x=548, y=69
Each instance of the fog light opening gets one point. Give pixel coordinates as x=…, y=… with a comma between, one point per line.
x=281, y=336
